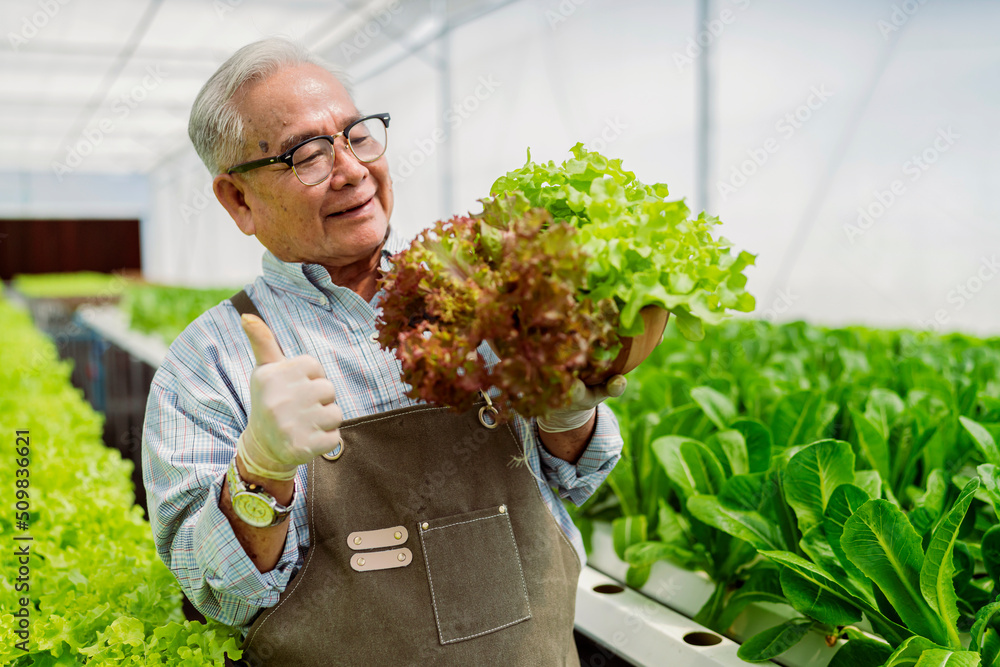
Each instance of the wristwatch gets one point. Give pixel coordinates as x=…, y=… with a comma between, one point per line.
x=252, y=504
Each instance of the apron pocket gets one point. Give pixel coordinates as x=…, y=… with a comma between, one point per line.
x=474, y=570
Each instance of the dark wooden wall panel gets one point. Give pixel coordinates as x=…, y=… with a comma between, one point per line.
x=57, y=246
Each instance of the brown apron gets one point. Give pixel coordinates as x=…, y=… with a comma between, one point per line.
x=429, y=546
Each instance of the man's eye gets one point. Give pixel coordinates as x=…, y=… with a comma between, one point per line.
x=307, y=154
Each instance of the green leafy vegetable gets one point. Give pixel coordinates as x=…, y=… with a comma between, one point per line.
x=938, y=570
x=464, y=282
x=881, y=543
x=554, y=270
x=98, y=593
x=774, y=641
x=853, y=475
x=919, y=652
x=644, y=249
x=70, y=285
x=814, y=600
x=628, y=533
x=861, y=653
x=165, y=310
x=813, y=474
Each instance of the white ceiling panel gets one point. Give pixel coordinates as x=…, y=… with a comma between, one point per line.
x=114, y=77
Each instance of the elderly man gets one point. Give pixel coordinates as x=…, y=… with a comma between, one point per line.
x=292, y=483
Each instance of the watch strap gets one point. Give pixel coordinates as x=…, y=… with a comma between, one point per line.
x=238, y=486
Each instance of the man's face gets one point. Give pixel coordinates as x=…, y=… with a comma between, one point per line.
x=336, y=223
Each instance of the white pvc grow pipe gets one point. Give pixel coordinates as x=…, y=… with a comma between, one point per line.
x=644, y=631
x=685, y=592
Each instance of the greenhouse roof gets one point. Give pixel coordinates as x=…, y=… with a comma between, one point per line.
x=121, y=74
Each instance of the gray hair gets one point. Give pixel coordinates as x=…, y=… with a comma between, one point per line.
x=216, y=127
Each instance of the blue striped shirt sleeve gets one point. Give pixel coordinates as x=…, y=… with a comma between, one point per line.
x=577, y=482
x=189, y=439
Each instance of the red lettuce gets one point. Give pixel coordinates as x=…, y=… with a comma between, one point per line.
x=510, y=276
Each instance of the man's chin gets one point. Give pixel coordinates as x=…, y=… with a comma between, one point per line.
x=359, y=240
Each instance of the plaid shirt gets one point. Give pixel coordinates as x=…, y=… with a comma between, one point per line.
x=199, y=404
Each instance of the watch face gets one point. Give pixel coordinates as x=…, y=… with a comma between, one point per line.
x=253, y=509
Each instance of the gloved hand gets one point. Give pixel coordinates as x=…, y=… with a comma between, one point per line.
x=294, y=416
x=583, y=405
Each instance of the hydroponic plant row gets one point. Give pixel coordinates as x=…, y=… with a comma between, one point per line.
x=97, y=592
x=851, y=475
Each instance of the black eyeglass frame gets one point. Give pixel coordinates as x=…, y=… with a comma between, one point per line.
x=286, y=157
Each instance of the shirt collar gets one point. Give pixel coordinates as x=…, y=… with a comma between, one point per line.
x=311, y=281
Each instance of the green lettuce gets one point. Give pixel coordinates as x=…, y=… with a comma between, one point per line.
x=166, y=310
x=98, y=592
x=643, y=249
x=508, y=277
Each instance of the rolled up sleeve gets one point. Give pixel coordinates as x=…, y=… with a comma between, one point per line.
x=577, y=482
x=189, y=438
x=223, y=575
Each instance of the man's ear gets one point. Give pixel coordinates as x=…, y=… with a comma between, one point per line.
x=230, y=194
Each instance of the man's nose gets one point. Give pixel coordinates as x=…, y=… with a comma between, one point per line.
x=346, y=167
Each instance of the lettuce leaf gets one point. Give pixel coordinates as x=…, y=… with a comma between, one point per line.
x=644, y=249
x=508, y=277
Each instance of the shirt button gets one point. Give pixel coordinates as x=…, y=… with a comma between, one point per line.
x=374, y=339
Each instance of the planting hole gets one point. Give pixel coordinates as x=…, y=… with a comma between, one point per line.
x=702, y=639
x=608, y=588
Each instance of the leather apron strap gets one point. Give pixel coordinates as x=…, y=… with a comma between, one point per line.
x=244, y=304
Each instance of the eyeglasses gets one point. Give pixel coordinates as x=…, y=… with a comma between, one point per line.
x=312, y=160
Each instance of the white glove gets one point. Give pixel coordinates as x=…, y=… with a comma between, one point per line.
x=582, y=406
x=294, y=416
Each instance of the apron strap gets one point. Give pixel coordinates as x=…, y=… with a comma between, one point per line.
x=244, y=305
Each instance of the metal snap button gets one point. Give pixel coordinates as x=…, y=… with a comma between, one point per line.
x=361, y=562
x=425, y=525
x=398, y=535
x=401, y=557
x=503, y=509
x=357, y=540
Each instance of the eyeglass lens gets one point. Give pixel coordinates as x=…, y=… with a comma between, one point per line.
x=313, y=161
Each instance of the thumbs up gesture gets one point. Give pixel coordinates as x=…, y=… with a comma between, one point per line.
x=294, y=416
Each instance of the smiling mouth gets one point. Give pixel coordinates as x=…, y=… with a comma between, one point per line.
x=353, y=208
